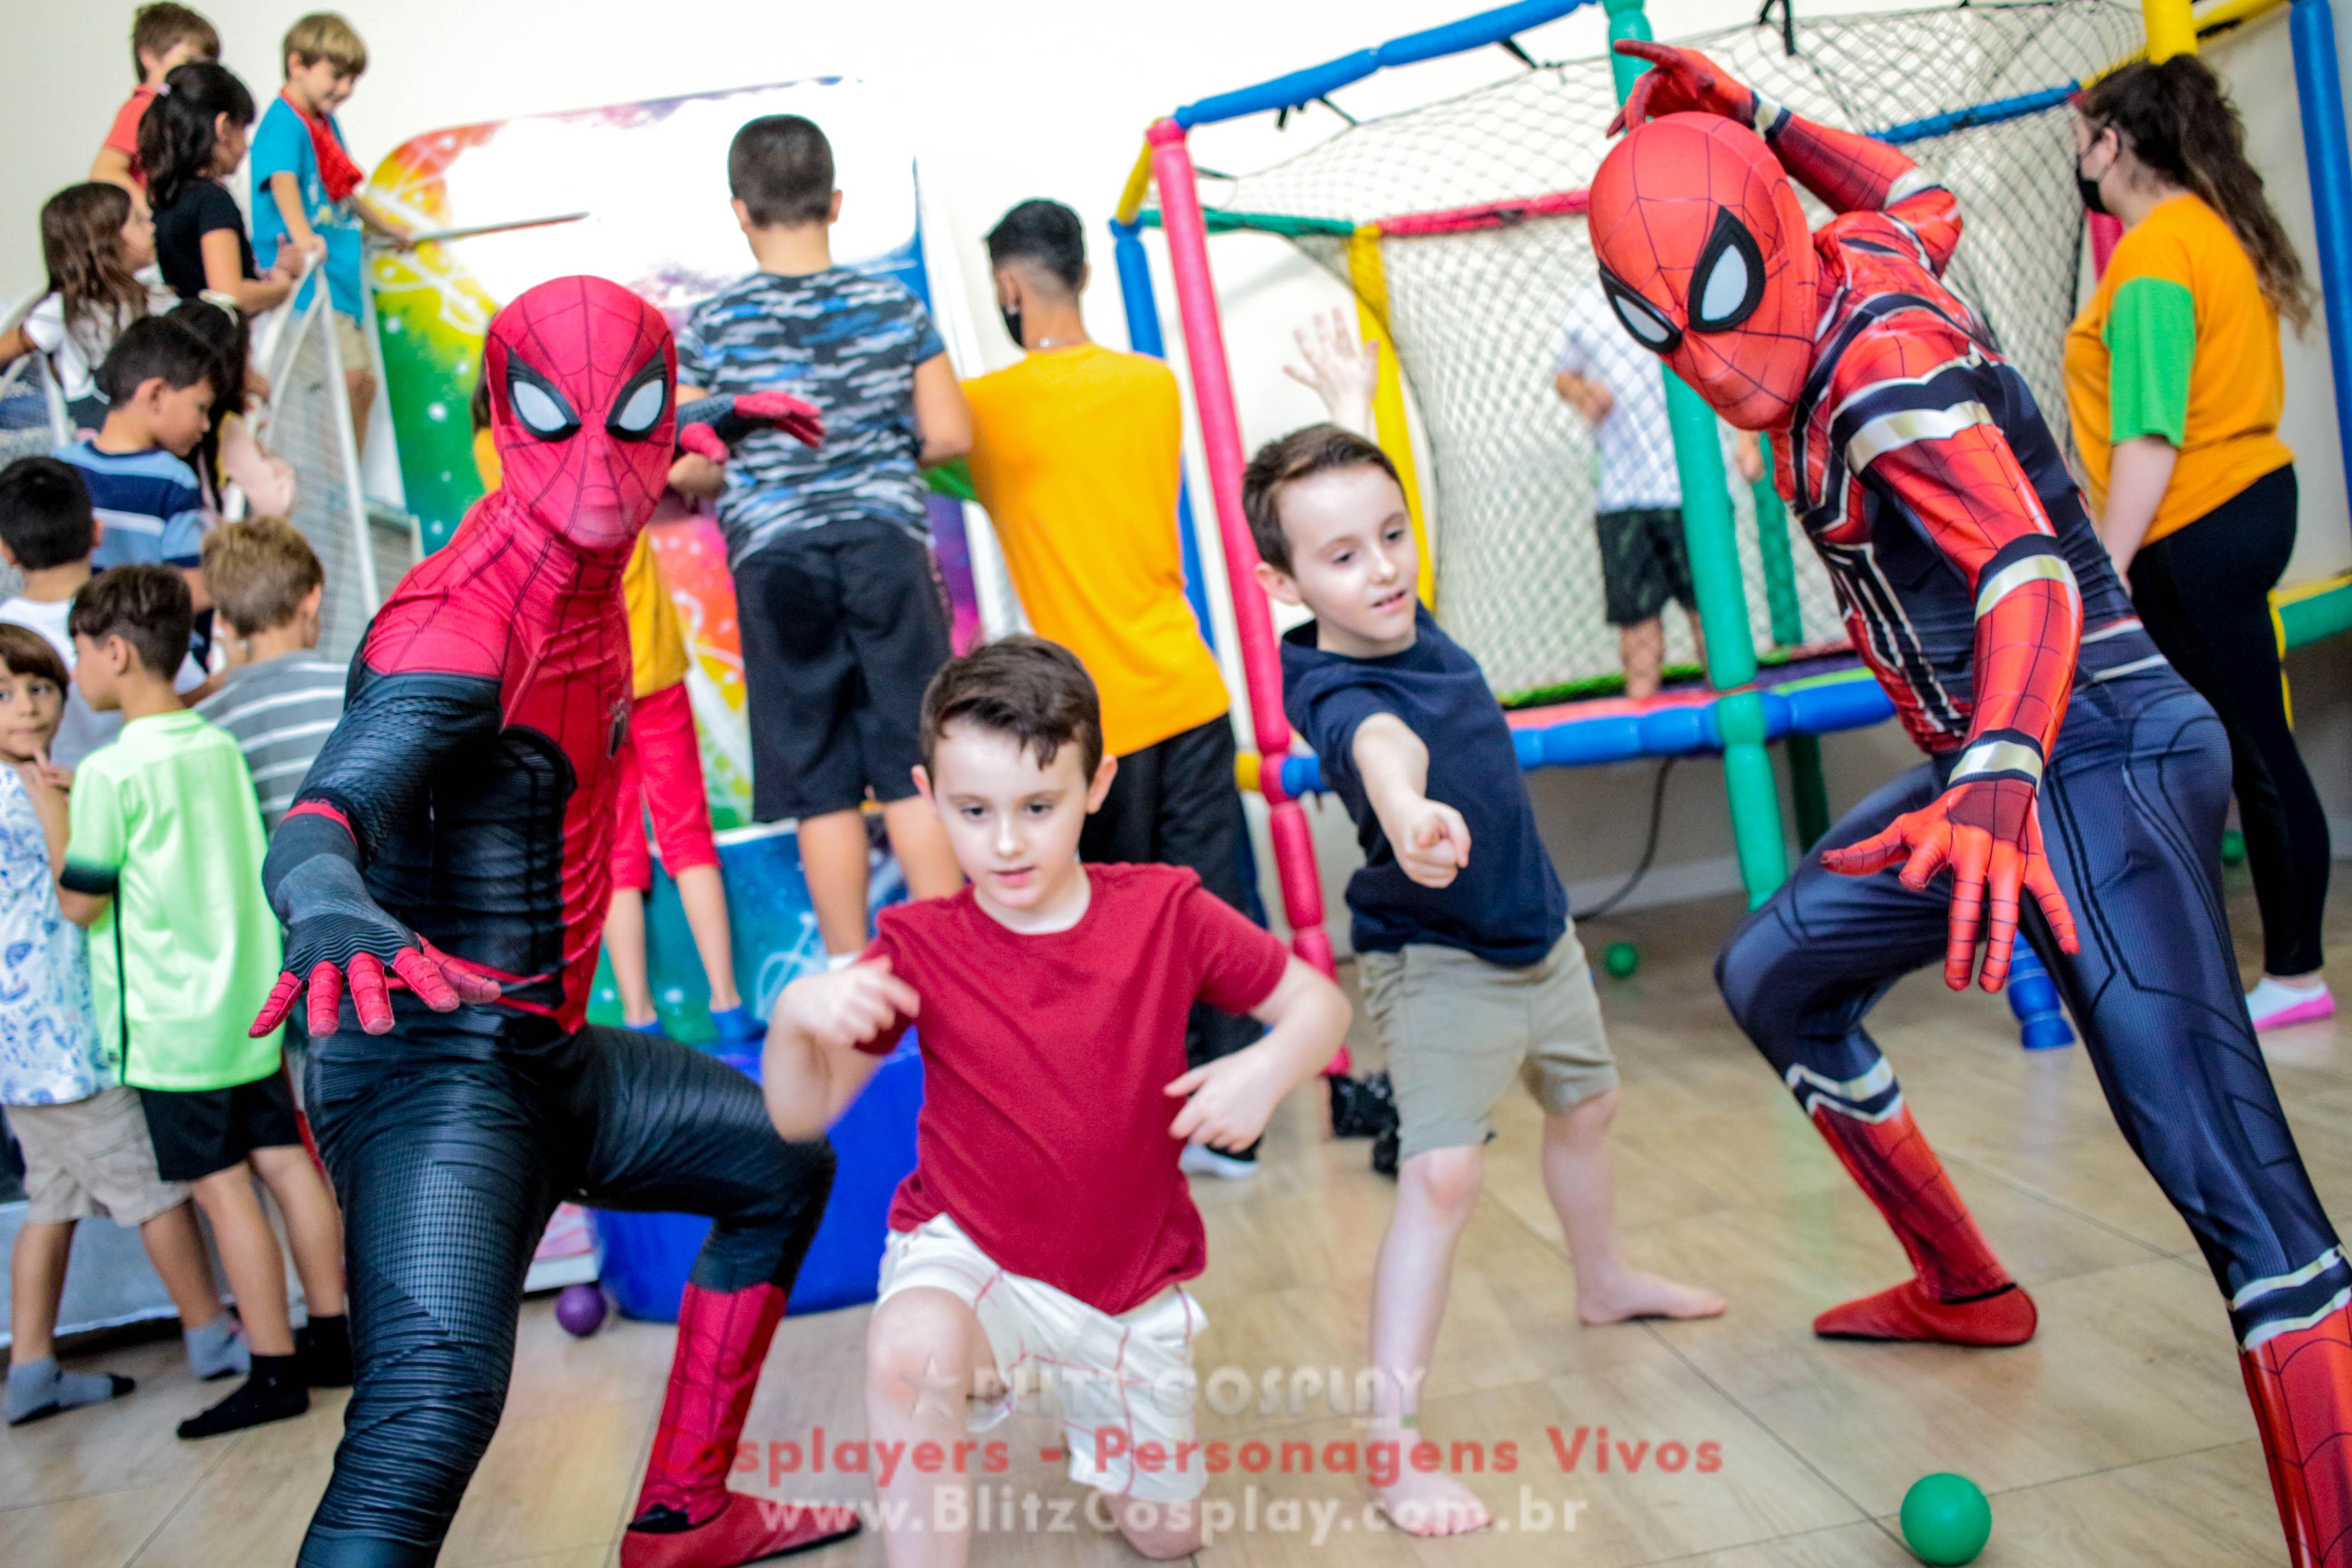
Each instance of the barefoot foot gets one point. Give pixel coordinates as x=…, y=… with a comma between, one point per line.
x=1421, y=1504
x=1632, y=1293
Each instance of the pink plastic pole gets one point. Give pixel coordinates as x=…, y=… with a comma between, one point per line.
x=2105, y=231
x=1221, y=438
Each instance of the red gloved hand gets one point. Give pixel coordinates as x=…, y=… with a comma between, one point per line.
x=1989, y=832
x=1680, y=82
x=710, y=426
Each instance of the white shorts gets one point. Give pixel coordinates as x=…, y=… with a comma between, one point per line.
x=1128, y=1378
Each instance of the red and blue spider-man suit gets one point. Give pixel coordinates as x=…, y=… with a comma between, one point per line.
x=1978, y=592
x=467, y=797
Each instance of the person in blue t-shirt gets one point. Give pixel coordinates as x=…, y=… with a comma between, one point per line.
x=1470, y=965
x=306, y=187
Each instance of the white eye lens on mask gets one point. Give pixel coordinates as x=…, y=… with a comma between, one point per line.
x=642, y=411
x=537, y=410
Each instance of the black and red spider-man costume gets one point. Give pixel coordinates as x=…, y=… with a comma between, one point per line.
x=1978, y=592
x=466, y=796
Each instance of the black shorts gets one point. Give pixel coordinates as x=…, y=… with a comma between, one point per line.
x=1643, y=562
x=842, y=628
x=197, y=1132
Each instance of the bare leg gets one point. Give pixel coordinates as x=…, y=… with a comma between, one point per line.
x=361, y=385
x=1148, y=1529
x=1580, y=1177
x=704, y=894
x=625, y=944
x=923, y=1350
x=921, y=846
x=1698, y=634
x=1437, y=1193
x=833, y=858
x=257, y=1270
x=1641, y=649
x=176, y=1247
x=36, y=1280
x=314, y=1227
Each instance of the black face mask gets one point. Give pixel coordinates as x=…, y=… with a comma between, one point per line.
x=1012, y=324
x=2089, y=187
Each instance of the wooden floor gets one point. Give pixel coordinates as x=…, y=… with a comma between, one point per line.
x=2119, y=1436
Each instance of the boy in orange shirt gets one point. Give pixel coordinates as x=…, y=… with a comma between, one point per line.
x=162, y=36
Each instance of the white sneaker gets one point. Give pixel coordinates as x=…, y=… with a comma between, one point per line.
x=1199, y=1160
x=2277, y=1007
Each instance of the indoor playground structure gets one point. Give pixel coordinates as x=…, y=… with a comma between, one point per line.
x=1459, y=228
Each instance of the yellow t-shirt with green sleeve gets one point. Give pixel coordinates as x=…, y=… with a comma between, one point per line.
x=163, y=821
x=1077, y=456
x=2178, y=342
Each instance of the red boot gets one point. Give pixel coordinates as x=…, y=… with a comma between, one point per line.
x=1907, y=1311
x=2300, y=1382
x=686, y=1516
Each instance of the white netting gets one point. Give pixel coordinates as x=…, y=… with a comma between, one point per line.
x=1476, y=318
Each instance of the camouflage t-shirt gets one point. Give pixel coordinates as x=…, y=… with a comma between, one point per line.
x=844, y=340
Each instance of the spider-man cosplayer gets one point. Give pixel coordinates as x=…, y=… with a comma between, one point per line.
x=454, y=840
x=1978, y=592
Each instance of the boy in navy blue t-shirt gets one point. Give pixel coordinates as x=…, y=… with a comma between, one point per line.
x=1470, y=966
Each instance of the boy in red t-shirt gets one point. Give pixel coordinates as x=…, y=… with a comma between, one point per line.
x=1046, y=1228
x=162, y=36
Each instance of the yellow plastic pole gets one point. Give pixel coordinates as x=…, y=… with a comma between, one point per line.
x=1139, y=182
x=2171, y=28
x=1371, y=286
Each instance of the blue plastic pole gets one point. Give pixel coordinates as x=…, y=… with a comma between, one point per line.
x=1144, y=337
x=2320, y=86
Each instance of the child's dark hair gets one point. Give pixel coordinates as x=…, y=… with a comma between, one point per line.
x=1045, y=233
x=81, y=244
x=1034, y=690
x=780, y=166
x=258, y=571
x=2176, y=120
x=24, y=651
x=216, y=320
x=157, y=347
x=1302, y=454
x=477, y=407
x=155, y=28
x=175, y=136
x=146, y=605
x=45, y=515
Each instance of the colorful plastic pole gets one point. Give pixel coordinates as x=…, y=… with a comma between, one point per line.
x=2171, y=28
x=1221, y=442
x=1143, y=336
x=1714, y=547
x=1371, y=286
x=2320, y=86
x=1804, y=751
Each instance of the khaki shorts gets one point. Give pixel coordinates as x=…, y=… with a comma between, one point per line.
x=1129, y=1375
x=352, y=344
x=1458, y=1029
x=91, y=1157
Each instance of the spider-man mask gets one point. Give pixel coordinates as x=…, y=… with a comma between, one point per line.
x=1707, y=258
x=582, y=381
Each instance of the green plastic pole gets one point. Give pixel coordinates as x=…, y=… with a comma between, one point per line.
x=1805, y=781
x=1714, y=550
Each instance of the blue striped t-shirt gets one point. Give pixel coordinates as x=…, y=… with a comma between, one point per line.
x=148, y=502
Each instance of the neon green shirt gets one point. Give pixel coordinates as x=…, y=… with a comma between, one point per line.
x=164, y=821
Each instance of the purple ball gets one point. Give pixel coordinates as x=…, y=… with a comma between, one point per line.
x=580, y=1309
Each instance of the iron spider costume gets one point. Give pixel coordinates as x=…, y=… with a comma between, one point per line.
x=467, y=793
x=1978, y=592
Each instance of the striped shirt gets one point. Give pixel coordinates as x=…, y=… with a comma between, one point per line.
x=280, y=711
x=148, y=502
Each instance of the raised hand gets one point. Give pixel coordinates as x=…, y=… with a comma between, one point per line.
x=1343, y=372
x=846, y=1008
x=1989, y=832
x=1679, y=82
x=711, y=426
x=339, y=938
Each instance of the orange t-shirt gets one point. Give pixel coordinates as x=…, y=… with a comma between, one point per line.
x=123, y=134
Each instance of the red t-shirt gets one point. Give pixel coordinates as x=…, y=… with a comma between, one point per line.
x=123, y=135
x=1044, y=1131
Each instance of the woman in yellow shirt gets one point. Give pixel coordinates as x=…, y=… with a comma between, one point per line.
x=2175, y=385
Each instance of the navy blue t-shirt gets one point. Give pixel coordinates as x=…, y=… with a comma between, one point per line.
x=1506, y=906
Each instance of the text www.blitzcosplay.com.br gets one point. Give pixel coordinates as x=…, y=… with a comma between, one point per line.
x=986, y=1509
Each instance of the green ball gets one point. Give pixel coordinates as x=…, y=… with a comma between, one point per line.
x=1621, y=958
x=1946, y=1519
x=2233, y=847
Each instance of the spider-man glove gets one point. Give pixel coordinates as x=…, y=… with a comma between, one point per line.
x=336, y=934
x=711, y=426
x=1680, y=82
x=1989, y=832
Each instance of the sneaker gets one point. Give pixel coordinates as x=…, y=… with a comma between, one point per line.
x=2276, y=1007
x=323, y=1347
x=651, y=1027
x=1384, y=1154
x=738, y=1026
x=275, y=1392
x=1199, y=1160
